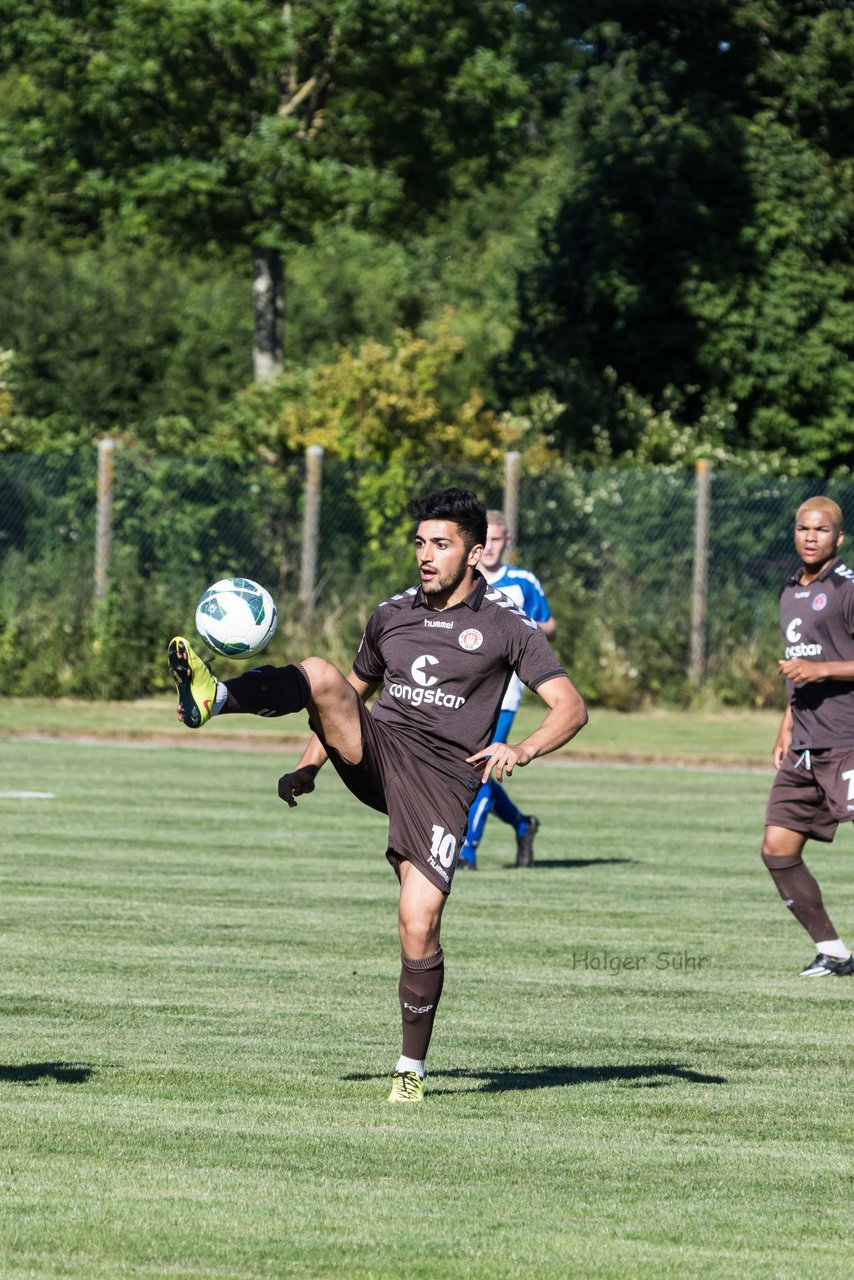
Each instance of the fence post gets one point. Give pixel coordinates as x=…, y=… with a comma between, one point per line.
x=104, y=516
x=311, y=524
x=699, y=593
x=512, y=469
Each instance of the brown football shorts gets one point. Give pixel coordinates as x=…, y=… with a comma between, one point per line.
x=813, y=792
x=427, y=810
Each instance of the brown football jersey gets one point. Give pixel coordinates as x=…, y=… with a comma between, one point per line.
x=817, y=622
x=444, y=672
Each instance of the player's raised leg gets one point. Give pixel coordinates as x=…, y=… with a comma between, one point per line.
x=422, y=977
x=314, y=684
x=264, y=691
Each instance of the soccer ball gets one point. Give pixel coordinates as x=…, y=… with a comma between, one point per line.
x=236, y=617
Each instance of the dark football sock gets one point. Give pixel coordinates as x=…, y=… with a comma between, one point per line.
x=419, y=990
x=268, y=691
x=800, y=891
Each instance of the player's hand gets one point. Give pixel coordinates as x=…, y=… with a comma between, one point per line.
x=781, y=749
x=298, y=783
x=502, y=757
x=799, y=671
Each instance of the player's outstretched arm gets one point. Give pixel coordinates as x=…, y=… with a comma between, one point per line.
x=567, y=714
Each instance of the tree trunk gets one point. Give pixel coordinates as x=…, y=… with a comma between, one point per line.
x=268, y=291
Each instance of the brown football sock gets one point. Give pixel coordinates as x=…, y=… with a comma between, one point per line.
x=419, y=990
x=800, y=891
x=268, y=691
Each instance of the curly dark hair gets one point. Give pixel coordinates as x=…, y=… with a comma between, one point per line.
x=460, y=506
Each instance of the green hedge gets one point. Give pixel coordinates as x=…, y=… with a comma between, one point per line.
x=614, y=549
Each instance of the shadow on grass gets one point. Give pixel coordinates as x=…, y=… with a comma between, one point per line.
x=38, y=1072
x=653, y=1075
x=571, y=862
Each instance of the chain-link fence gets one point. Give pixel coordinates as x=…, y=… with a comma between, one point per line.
x=87, y=604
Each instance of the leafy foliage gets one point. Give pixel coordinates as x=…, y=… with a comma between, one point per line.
x=703, y=244
x=616, y=232
x=249, y=122
x=389, y=413
x=109, y=341
x=623, y=205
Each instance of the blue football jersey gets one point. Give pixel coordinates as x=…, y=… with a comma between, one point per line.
x=526, y=590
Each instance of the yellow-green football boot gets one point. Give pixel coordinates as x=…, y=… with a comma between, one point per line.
x=406, y=1086
x=195, y=681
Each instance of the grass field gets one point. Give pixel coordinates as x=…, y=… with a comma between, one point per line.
x=722, y=737
x=200, y=1016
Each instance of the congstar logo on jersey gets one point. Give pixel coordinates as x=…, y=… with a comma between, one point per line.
x=425, y=687
x=796, y=649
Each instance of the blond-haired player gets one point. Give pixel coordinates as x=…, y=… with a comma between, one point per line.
x=813, y=790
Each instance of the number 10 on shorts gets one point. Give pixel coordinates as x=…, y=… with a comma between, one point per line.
x=444, y=846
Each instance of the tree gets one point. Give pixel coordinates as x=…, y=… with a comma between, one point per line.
x=110, y=341
x=246, y=123
x=703, y=246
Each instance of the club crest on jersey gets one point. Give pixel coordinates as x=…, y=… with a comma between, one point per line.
x=471, y=639
x=819, y=602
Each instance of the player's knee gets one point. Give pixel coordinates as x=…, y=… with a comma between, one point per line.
x=322, y=676
x=782, y=846
x=418, y=938
x=777, y=859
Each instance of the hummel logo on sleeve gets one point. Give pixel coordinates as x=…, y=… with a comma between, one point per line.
x=504, y=602
x=401, y=595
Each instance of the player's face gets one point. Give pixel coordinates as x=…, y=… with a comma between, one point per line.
x=816, y=539
x=444, y=562
x=497, y=539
